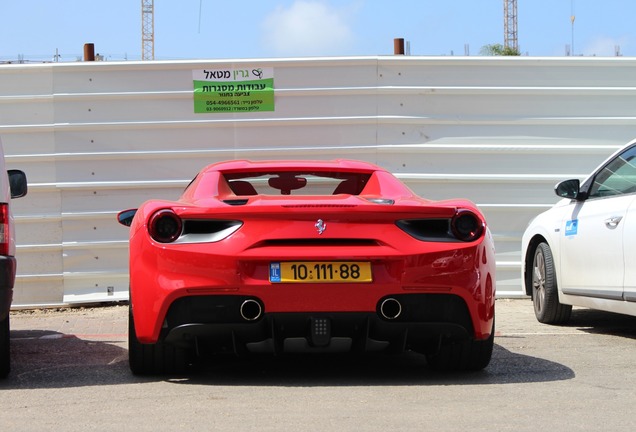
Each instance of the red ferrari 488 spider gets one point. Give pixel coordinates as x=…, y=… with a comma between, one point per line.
x=308, y=256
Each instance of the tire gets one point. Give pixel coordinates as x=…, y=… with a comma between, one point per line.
x=5, y=352
x=153, y=359
x=466, y=355
x=545, y=296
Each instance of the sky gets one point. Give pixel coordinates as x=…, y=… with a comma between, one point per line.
x=44, y=30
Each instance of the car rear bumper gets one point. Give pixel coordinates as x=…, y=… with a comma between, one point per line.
x=235, y=324
x=161, y=276
x=7, y=280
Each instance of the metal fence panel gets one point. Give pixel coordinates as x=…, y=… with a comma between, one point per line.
x=95, y=138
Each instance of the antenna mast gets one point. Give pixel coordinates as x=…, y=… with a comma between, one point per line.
x=147, y=29
x=510, y=25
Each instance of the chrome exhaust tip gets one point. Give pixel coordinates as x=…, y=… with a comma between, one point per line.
x=251, y=310
x=390, y=308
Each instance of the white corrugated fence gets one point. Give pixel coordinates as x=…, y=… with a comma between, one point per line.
x=95, y=138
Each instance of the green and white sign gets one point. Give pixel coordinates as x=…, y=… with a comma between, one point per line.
x=233, y=90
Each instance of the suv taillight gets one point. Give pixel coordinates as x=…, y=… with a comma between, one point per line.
x=5, y=234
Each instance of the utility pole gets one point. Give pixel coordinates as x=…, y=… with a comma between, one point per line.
x=147, y=30
x=510, y=25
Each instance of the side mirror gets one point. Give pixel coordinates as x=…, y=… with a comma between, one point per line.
x=17, y=183
x=568, y=189
x=126, y=217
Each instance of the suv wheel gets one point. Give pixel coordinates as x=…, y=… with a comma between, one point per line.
x=5, y=364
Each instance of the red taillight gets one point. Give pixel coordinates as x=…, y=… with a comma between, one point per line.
x=5, y=234
x=467, y=226
x=165, y=226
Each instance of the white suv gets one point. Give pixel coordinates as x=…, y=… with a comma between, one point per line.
x=12, y=185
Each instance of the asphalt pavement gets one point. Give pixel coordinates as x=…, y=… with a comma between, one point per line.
x=70, y=372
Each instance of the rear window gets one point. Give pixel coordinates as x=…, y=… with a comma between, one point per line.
x=296, y=183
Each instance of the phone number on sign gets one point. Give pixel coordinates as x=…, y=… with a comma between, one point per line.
x=223, y=102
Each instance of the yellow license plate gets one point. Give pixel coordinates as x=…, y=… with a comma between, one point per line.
x=320, y=271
